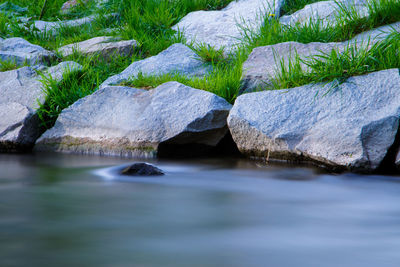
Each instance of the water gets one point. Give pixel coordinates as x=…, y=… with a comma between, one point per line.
x=63, y=210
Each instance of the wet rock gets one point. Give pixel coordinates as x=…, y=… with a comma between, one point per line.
x=106, y=46
x=222, y=28
x=347, y=126
x=131, y=122
x=142, y=169
x=324, y=11
x=21, y=51
x=177, y=58
x=20, y=93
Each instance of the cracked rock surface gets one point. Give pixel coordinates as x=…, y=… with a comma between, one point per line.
x=347, y=126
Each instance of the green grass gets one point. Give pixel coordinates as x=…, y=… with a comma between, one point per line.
x=292, y=6
x=75, y=85
x=209, y=54
x=334, y=66
x=349, y=24
x=224, y=80
x=6, y=65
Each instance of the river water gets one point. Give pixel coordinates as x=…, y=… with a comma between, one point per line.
x=65, y=210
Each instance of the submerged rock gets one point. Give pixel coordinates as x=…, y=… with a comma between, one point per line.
x=142, y=169
x=178, y=58
x=131, y=122
x=20, y=95
x=224, y=28
x=106, y=46
x=21, y=51
x=345, y=126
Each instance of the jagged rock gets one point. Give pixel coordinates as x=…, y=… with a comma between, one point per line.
x=177, y=58
x=325, y=11
x=20, y=51
x=106, y=46
x=222, y=28
x=142, y=169
x=132, y=122
x=20, y=93
x=264, y=62
x=351, y=126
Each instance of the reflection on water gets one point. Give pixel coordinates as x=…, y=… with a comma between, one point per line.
x=62, y=210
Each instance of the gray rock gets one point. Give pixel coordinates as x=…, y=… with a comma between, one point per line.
x=131, y=122
x=21, y=51
x=70, y=4
x=106, y=46
x=222, y=28
x=264, y=62
x=142, y=169
x=325, y=11
x=177, y=58
x=375, y=35
x=43, y=26
x=351, y=127
x=20, y=93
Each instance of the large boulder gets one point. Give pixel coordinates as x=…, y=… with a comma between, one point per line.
x=224, y=28
x=21, y=51
x=324, y=11
x=131, y=122
x=344, y=126
x=105, y=46
x=20, y=94
x=178, y=58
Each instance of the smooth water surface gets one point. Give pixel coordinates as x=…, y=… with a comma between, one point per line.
x=64, y=210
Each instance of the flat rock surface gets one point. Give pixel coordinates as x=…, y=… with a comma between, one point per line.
x=350, y=126
x=222, y=28
x=177, y=58
x=20, y=93
x=131, y=122
x=20, y=51
x=106, y=46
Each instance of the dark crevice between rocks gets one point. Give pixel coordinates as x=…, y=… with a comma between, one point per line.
x=225, y=147
x=388, y=164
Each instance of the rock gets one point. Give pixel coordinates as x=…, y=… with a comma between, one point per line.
x=352, y=126
x=142, y=169
x=131, y=122
x=375, y=35
x=177, y=58
x=264, y=62
x=52, y=26
x=106, y=46
x=10, y=8
x=222, y=28
x=43, y=26
x=20, y=92
x=325, y=11
x=21, y=51
x=67, y=6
